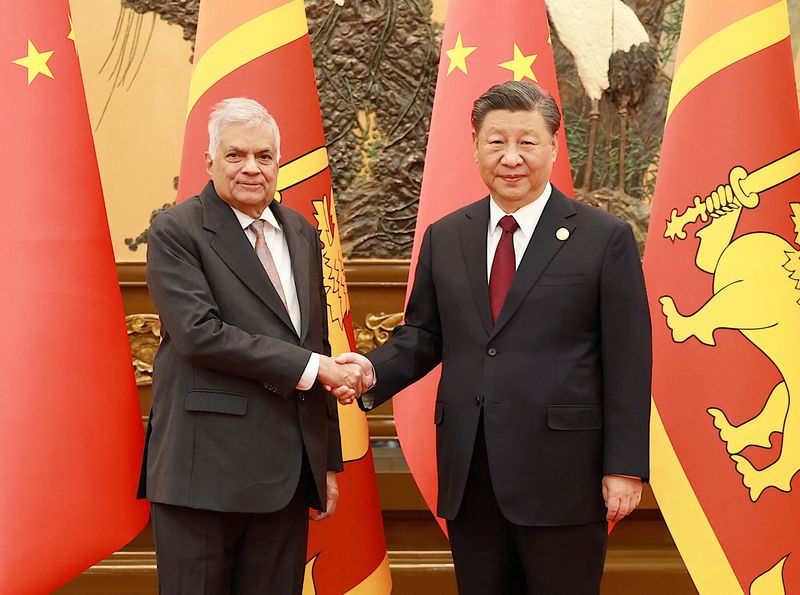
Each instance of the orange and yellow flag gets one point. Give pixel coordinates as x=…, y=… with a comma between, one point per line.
x=480, y=48
x=71, y=437
x=723, y=275
x=261, y=49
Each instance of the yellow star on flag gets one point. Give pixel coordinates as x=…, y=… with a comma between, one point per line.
x=521, y=65
x=35, y=62
x=458, y=56
x=71, y=29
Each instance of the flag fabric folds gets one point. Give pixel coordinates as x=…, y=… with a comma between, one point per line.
x=261, y=49
x=723, y=275
x=480, y=48
x=72, y=429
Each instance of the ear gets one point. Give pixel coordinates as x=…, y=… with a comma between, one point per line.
x=209, y=162
x=475, y=145
x=555, y=147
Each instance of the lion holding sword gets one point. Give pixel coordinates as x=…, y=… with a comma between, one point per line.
x=757, y=292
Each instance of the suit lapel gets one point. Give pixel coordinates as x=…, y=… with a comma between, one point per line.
x=300, y=253
x=231, y=245
x=544, y=245
x=473, y=235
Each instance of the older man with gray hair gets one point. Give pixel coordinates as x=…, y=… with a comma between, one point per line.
x=243, y=436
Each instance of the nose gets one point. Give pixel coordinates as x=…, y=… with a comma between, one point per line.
x=250, y=166
x=511, y=156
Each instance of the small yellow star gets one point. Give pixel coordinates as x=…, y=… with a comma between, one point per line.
x=458, y=56
x=521, y=65
x=71, y=29
x=35, y=62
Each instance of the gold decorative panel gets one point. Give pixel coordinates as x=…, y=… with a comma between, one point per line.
x=376, y=330
x=144, y=335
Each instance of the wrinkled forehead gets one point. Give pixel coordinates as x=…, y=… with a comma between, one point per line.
x=244, y=135
x=504, y=118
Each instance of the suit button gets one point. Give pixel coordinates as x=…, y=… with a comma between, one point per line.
x=491, y=351
x=478, y=400
x=301, y=395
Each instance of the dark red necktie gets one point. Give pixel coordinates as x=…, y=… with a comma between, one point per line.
x=503, y=266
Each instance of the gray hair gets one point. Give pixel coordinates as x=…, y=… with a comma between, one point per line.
x=240, y=110
x=517, y=96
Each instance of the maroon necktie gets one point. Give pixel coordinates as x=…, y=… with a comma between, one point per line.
x=503, y=266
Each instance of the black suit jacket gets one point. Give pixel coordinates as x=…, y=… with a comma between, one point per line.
x=227, y=428
x=562, y=378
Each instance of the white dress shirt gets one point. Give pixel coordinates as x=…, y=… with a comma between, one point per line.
x=527, y=218
x=276, y=242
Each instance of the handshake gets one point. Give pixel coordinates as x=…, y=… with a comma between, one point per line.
x=347, y=376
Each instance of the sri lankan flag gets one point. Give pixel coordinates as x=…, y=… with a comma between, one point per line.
x=723, y=276
x=480, y=48
x=261, y=49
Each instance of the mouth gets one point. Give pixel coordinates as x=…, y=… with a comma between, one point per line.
x=249, y=186
x=512, y=178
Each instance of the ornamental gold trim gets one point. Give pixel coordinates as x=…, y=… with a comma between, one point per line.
x=376, y=330
x=144, y=336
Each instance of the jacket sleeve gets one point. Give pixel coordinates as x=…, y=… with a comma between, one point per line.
x=626, y=351
x=192, y=320
x=415, y=348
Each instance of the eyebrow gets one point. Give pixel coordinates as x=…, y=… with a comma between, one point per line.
x=240, y=150
x=504, y=133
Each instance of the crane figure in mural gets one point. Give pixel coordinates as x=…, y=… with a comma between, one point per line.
x=613, y=56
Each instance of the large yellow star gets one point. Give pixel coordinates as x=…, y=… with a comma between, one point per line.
x=35, y=62
x=458, y=56
x=71, y=29
x=521, y=65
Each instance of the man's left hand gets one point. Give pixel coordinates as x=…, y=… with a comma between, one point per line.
x=332, y=491
x=622, y=495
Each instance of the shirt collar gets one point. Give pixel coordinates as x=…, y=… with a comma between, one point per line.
x=245, y=220
x=527, y=217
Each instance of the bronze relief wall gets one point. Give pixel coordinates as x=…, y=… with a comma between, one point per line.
x=376, y=64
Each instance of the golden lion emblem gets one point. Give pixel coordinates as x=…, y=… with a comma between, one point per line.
x=757, y=292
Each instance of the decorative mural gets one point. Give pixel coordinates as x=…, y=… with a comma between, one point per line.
x=376, y=63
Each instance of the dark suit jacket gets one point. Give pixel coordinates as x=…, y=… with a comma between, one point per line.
x=227, y=428
x=563, y=377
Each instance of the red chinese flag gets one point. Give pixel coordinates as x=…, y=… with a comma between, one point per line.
x=71, y=427
x=480, y=48
x=723, y=276
x=261, y=49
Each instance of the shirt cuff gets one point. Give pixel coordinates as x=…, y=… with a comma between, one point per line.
x=368, y=400
x=374, y=377
x=310, y=373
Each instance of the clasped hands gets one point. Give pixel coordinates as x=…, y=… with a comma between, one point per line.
x=347, y=376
